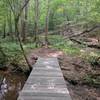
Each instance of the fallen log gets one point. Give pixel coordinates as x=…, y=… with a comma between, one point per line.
x=88, y=45
x=84, y=32
x=94, y=46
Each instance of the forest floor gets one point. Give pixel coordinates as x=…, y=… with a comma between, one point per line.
x=77, y=73
x=76, y=61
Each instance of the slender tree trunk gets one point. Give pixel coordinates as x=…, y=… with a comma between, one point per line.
x=3, y=54
x=4, y=30
x=36, y=38
x=21, y=45
x=10, y=22
x=24, y=23
x=47, y=24
x=16, y=19
x=23, y=34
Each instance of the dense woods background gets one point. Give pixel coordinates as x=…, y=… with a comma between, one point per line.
x=51, y=13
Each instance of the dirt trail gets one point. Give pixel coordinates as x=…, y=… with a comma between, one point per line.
x=43, y=52
x=46, y=52
x=74, y=69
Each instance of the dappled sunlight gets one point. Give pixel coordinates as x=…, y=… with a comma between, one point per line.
x=93, y=54
x=49, y=67
x=61, y=90
x=34, y=86
x=82, y=51
x=46, y=52
x=49, y=86
x=46, y=62
x=56, y=54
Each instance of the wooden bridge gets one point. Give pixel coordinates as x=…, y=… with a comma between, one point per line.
x=45, y=82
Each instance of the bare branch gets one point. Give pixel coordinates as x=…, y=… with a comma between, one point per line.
x=20, y=11
x=8, y=1
x=23, y=7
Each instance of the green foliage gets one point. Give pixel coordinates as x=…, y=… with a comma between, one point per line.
x=13, y=51
x=91, y=57
x=92, y=80
x=76, y=10
x=65, y=45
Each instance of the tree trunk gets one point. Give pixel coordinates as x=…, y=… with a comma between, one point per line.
x=9, y=21
x=21, y=45
x=47, y=23
x=36, y=38
x=24, y=22
x=23, y=34
x=4, y=30
x=10, y=25
x=16, y=19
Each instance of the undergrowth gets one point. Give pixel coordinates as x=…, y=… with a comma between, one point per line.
x=73, y=49
x=66, y=46
x=13, y=52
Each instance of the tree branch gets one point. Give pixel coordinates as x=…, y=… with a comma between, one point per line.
x=23, y=8
x=86, y=31
x=11, y=6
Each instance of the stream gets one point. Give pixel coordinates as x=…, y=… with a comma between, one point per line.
x=10, y=85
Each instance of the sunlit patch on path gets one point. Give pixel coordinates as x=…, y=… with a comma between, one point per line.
x=55, y=54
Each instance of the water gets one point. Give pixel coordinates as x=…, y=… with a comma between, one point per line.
x=10, y=85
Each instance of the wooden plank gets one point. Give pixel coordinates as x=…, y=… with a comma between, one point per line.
x=44, y=98
x=43, y=73
x=48, y=65
x=45, y=93
x=45, y=82
x=47, y=62
x=47, y=68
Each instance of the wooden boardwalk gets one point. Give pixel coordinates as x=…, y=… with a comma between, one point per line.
x=45, y=82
